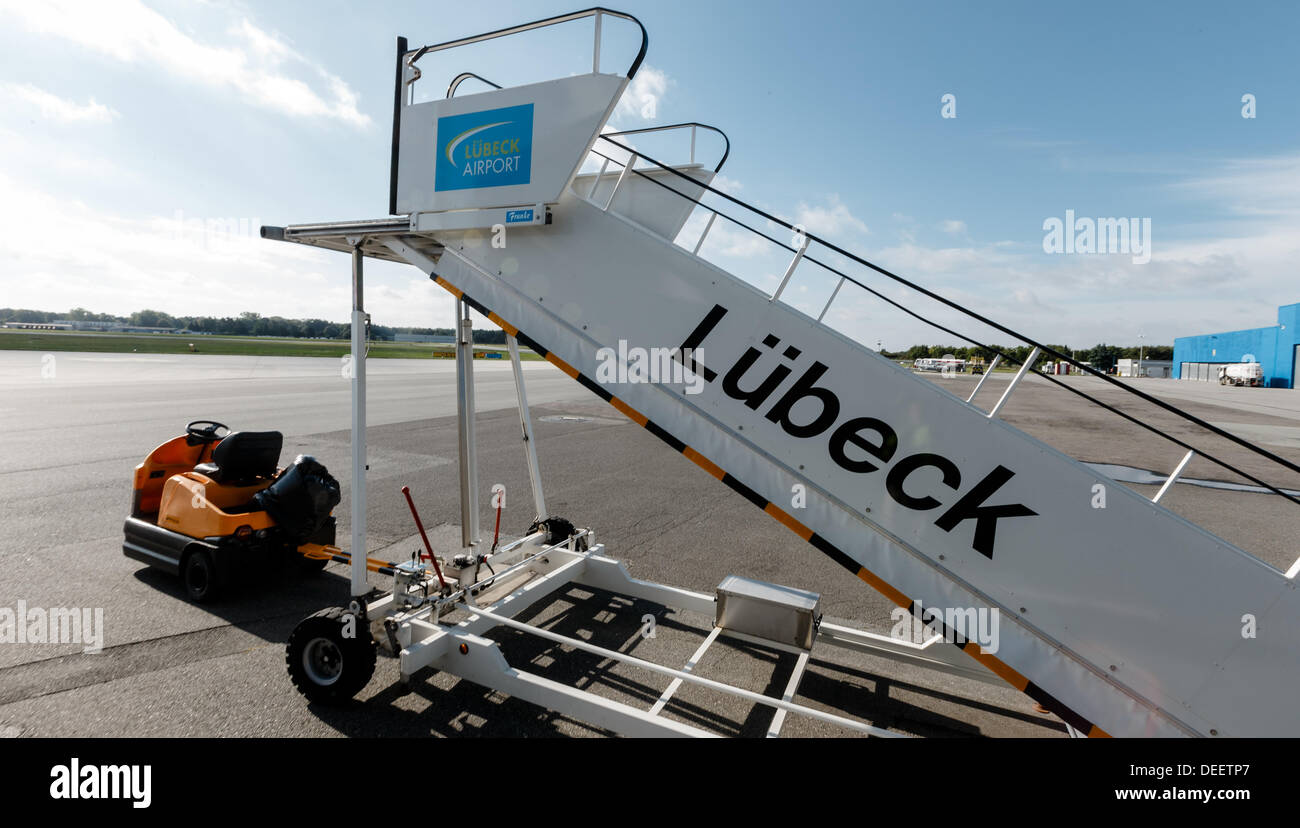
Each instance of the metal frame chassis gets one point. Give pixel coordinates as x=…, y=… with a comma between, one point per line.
x=464, y=650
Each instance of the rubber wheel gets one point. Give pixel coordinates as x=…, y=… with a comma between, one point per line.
x=200, y=576
x=325, y=665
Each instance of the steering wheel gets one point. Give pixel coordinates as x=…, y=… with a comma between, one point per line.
x=202, y=432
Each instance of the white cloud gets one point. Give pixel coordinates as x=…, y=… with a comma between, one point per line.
x=264, y=44
x=1256, y=188
x=1227, y=274
x=833, y=219
x=735, y=242
x=729, y=241
x=908, y=258
x=54, y=108
x=726, y=184
x=642, y=96
x=183, y=264
x=256, y=65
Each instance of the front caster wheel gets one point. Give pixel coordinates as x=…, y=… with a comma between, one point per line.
x=330, y=656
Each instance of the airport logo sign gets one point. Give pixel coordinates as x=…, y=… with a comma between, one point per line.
x=492, y=148
x=518, y=216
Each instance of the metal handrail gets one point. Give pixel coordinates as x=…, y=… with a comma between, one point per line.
x=597, y=12
x=464, y=76
x=1041, y=348
x=629, y=162
x=726, y=150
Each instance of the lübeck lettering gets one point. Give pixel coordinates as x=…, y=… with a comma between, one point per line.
x=862, y=445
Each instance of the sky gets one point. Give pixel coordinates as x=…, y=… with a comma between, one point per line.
x=142, y=144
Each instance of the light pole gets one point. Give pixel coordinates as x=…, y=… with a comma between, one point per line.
x=1141, y=354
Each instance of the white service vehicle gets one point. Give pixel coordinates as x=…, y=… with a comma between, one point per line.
x=944, y=365
x=1241, y=373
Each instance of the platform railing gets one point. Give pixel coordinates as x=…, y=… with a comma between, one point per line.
x=693, y=126
x=410, y=58
x=464, y=76
x=407, y=72
x=808, y=249
x=628, y=163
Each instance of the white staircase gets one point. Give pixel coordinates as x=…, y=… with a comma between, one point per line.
x=1124, y=620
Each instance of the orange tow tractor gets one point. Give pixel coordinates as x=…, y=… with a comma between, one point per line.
x=211, y=503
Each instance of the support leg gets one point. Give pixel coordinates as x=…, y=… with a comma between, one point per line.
x=526, y=426
x=469, y=530
x=359, y=586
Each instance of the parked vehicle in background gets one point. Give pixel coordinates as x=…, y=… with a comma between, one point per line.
x=1241, y=373
x=945, y=365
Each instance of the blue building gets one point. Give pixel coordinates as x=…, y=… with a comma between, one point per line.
x=1275, y=348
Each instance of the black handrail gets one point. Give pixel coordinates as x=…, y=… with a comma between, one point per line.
x=539, y=24
x=726, y=150
x=1042, y=348
x=397, y=129
x=464, y=76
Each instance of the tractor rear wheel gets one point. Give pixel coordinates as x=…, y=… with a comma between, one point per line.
x=330, y=656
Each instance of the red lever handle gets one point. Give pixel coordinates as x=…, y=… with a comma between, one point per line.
x=406, y=490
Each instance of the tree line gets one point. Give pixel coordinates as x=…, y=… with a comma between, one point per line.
x=1100, y=356
x=246, y=324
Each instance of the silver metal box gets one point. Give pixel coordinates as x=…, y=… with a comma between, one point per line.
x=778, y=613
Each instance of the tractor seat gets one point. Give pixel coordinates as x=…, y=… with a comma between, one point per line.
x=243, y=457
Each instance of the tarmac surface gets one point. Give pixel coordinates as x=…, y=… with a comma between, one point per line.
x=72, y=427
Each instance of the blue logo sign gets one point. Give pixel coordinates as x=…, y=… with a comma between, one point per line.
x=518, y=216
x=493, y=148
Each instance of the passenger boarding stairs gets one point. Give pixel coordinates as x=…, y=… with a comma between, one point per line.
x=1124, y=620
